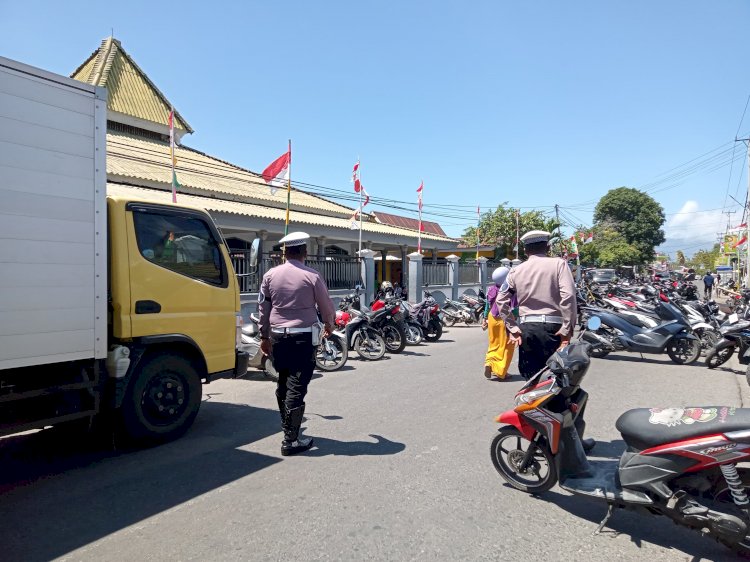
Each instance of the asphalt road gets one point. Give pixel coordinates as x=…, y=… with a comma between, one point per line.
x=401, y=472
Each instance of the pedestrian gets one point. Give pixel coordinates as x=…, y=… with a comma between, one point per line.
x=500, y=349
x=545, y=291
x=289, y=326
x=708, y=285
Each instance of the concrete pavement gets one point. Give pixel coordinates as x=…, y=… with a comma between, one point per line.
x=402, y=472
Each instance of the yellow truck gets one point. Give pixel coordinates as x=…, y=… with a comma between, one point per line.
x=110, y=308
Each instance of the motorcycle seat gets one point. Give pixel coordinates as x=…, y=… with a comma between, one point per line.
x=643, y=428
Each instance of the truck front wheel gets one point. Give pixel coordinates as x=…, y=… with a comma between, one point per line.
x=162, y=401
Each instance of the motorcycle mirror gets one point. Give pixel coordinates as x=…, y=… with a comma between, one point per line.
x=594, y=323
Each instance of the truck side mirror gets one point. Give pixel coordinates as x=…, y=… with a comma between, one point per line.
x=254, y=247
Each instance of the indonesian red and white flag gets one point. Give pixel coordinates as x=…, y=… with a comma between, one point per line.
x=741, y=241
x=355, y=177
x=589, y=238
x=277, y=173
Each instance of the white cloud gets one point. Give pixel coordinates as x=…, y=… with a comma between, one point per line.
x=692, y=228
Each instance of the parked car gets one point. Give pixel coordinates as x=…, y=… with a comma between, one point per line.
x=602, y=275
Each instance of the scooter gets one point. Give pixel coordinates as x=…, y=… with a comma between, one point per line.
x=427, y=314
x=353, y=327
x=331, y=354
x=251, y=344
x=673, y=336
x=680, y=462
x=735, y=334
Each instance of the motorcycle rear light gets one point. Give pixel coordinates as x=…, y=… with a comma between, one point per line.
x=396, y=310
x=663, y=297
x=435, y=308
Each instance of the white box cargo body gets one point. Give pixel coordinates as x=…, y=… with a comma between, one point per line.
x=53, y=218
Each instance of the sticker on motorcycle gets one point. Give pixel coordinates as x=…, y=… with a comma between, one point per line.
x=672, y=417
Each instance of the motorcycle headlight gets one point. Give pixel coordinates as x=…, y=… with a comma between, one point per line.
x=536, y=394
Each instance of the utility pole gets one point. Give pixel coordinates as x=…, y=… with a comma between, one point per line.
x=747, y=230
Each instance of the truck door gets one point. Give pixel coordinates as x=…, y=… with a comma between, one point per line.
x=179, y=281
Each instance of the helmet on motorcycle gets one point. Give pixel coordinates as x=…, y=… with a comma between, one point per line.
x=572, y=360
x=499, y=276
x=386, y=287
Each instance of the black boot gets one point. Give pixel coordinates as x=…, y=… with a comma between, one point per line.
x=294, y=443
x=282, y=408
x=588, y=445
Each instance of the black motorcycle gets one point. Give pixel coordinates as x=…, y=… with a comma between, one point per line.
x=735, y=335
x=427, y=314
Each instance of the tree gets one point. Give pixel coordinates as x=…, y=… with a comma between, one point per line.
x=680, y=257
x=636, y=216
x=498, y=228
x=705, y=259
x=609, y=248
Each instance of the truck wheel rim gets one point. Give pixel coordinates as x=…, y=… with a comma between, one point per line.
x=164, y=399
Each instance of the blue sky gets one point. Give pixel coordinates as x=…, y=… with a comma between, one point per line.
x=530, y=103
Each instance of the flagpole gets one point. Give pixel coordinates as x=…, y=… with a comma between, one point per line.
x=419, y=234
x=359, y=176
x=288, y=190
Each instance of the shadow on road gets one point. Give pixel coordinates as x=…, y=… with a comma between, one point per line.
x=647, y=358
x=640, y=528
x=382, y=446
x=60, y=493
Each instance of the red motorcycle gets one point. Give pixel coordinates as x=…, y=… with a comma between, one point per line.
x=679, y=462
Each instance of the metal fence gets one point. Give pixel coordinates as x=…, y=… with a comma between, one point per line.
x=435, y=273
x=468, y=273
x=339, y=272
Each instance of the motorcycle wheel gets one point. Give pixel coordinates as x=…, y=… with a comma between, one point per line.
x=395, y=337
x=449, y=321
x=413, y=335
x=722, y=497
x=709, y=338
x=326, y=361
x=717, y=357
x=371, y=349
x=684, y=351
x=434, y=330
x=507, y=451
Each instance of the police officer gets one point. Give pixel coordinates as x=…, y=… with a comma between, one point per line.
x=287, y=301
x=545, y=291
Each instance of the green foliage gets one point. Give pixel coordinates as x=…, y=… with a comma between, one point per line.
x=680, y=257
x=609, y=249
x=498, y=228
x=636, y=217
x=705, y=259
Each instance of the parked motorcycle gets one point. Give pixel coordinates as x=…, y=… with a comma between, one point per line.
x=427, y=314
x=251, y=344
x=385, y=315
x=735, y=335
x=330, y=355
x=354, y=328
x=680, y=462
x=618, y=333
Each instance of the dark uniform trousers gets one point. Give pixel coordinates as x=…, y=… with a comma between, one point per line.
x=293, y=358
x=538, y=343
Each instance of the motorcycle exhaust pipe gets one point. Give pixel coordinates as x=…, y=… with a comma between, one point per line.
x=593, y=337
